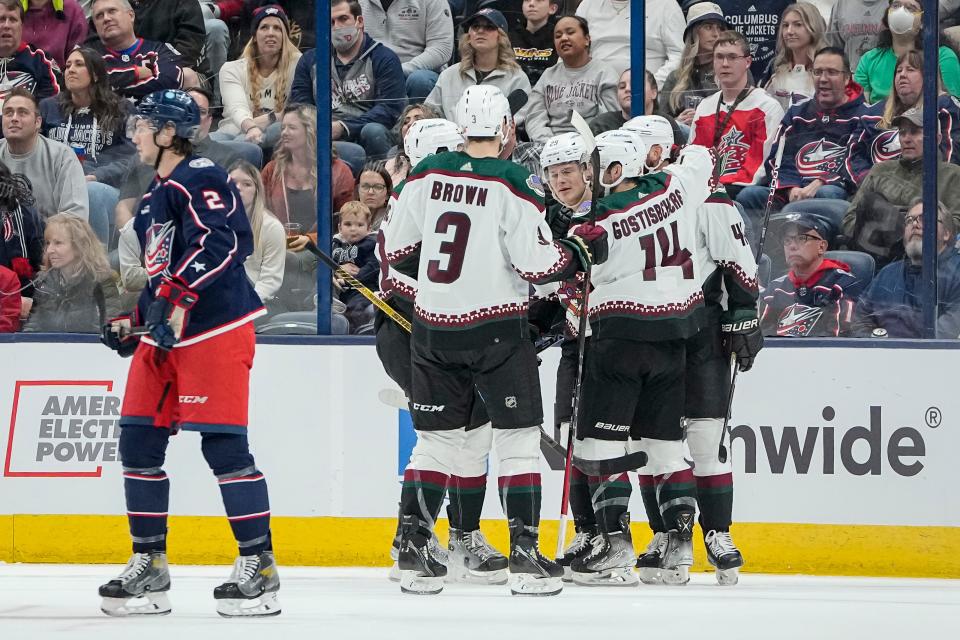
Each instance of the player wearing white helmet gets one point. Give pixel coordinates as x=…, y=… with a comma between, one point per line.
x=472, y=225
x=646, y=302
x=725, y=265
x=429, y=136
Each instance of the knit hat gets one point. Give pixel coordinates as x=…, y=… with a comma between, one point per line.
x=57, y=7
x=269, y=11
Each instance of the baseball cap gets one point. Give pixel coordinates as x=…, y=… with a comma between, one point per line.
x=913, y=115
x=490, y=15
x=703, y=12
x=806, y=222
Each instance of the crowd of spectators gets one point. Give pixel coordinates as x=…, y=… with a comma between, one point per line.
x=835, y=85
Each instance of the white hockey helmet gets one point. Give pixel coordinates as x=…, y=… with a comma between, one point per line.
x=566, y=147
x=623, y=146
x=653, y=130
x=484, y=112
x=429, y=136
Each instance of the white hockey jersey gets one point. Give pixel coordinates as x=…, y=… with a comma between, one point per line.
x=649, y=288
x=475, y=231
x=727, y=263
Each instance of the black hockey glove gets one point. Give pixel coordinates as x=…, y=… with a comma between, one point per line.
x=114, y=335
x=742, y=336
x=558, y=219
x=589, y=244
x=168, y=314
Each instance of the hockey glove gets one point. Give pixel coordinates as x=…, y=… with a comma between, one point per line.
x=167, y=315
x=115, y=334
x=558, y=219
x=742, y=336
x=589, y=244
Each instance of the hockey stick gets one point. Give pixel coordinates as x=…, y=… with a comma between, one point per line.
x=376, y=300
x=722, y=453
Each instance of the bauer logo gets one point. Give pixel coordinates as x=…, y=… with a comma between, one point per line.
x=858, y=445
x=62, y=429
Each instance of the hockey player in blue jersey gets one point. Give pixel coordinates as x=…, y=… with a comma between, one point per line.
x=191, y=371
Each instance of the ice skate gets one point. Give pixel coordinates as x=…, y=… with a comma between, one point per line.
x=531, y=573
x=474, y=560
x=610, y=561
x=421, y=571
x=724, y=556
x=251, y=590
x=648, y=562
x=678, y=556
x=578, y=547
x=140, y=589
x=435, y=549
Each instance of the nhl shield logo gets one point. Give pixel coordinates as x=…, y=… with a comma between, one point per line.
x=156, y=257
x=510, y=402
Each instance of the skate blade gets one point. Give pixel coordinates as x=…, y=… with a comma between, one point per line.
x=265, y=605
x=619, y=577
x=413, y=583
x=469, y=576
x=528, y=584
x=149, y=604
x=394, y=575
x=650, y=575
x=728, y=577
x=677, y=576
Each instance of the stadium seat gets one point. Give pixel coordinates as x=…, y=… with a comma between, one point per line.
x=862, y=265
x=301, y=323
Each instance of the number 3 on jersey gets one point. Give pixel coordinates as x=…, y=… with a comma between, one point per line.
x=672, y=254
x=456, y=227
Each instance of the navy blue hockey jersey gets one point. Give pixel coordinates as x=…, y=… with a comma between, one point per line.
x=29, y=69
x=159, y=57
x=193, y=227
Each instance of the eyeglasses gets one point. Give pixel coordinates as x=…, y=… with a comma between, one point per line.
x=372, y=187
x=917, y=220
x=799, y=239
x=830, y=73
x=729, y=58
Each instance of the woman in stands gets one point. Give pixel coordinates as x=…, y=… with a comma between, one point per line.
x=290, y=178
x=398, y=164
x=576, y=83
x=264, y=267
x=486, y=57
x=255, y=87
x=76, y=279
x=694, y=79
x=879, y=140
x=90, y=117
x=789, y=79
x=374, y=191
x=901, y=32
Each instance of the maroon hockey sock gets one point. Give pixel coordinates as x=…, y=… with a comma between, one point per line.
x=580, y=505
x=715, y=497
x=520, y=497
x=676, y=493
x=466, y=501
x=422, y=496
x=648, y=491
x=611, y=499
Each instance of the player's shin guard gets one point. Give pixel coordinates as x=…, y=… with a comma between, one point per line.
x=247, y=504
x=468, y=482
x=519, y=482
x=147, y=492
x=610, y=496
x=676, y=492
x=584, y=521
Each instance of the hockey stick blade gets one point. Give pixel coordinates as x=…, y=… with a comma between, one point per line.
x=584, y=130
x=612, y=466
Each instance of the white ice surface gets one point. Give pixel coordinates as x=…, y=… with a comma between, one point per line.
x=60, y=601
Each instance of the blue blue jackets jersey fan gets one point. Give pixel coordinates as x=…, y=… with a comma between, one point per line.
x=193, y=228
x=159, y=57
x=29, y=69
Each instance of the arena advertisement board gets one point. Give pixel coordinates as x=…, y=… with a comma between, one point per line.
x=820, y=436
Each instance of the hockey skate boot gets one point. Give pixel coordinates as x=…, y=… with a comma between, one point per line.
x=140, y=589
x=531, y=573
x=474, y=560
x=251, y=590
x=578, y=548
x=610, y=561
x=435, y=549
x=678, y=556
x=724, y=556
x=421, y=570
x=648, y=562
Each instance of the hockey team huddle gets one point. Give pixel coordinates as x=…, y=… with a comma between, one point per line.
x=472, y=257
x=641, y=265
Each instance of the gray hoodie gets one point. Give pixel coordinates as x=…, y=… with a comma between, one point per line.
x=420, y=32
x=589, y=90
x=855, y=25
x=451, y=84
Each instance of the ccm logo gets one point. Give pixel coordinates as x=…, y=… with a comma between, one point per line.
x=193, y=399
x=429, y=408
x=609, y=426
